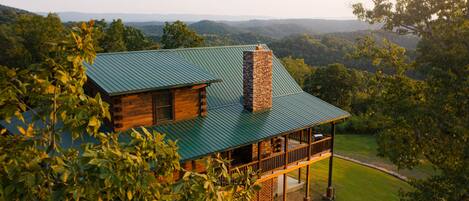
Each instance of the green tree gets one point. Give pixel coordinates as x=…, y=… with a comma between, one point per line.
x=113, y=40
x=99, y=33
x=14, y=53
x=178, y=35
x=105, y=37
x=297, y=69
x=315, y=50
x=48, y=101
x=436, y=128
x=30, y=39
x=135, y=39
x=333, y=84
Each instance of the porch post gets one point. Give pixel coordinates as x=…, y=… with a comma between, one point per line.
x=299, y=175
x=307, y=180
x=259, y=148
x=259, y=144
x=194, y=166
x=330, y=189
x=286, y=166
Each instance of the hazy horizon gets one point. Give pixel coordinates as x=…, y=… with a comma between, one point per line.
x=258, y=9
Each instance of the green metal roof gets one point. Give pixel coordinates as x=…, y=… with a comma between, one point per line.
x=139, y=71
x=227, y=64
x=227, y=125
x=230, y=126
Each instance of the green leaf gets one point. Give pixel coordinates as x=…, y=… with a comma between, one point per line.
x=93, y=122
x=21, y=130
x=65, y=175
x=129, y=195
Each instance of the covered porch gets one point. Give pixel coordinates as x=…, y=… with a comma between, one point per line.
x=276, y=157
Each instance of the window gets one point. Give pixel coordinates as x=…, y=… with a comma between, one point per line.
x=162, y=107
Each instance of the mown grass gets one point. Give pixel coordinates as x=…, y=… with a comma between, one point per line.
x=364, y=148
x=353, y=182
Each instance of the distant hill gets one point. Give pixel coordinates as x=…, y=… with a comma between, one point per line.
x=284, y=27
x=204, y=27
x=136, y=17
x=212, y=27
x=270, y=28
x=406, y=41
x=269, y=31
x=9, y=14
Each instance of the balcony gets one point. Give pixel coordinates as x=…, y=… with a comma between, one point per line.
x=298, y=150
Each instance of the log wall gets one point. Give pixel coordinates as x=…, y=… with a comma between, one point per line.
x=135, y=110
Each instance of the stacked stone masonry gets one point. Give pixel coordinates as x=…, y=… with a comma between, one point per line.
x=266, y=149
x=257, y=80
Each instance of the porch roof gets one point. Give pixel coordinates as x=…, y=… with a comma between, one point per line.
x=230, y=127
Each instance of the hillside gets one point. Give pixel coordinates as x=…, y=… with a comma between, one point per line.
x=324, y=49
x=201, y=27
x=284, y=27
x=270, y=28
x=407, y=41
x=319, y=42
x=9, y=14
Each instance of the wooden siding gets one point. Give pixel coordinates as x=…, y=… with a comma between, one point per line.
x=134, y=110
x=203, y=101
x=195, y=165
x=130, y=111
x=186, y=104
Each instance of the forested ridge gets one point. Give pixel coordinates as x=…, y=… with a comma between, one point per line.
x=318, y=42
x=9, y=14
x=296, y=38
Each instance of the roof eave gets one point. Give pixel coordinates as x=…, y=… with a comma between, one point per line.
x=163, y=87
x=340, y=118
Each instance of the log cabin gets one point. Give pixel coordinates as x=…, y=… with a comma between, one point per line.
x=238, y=101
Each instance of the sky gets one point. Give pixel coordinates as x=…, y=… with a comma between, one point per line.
x=327, y=9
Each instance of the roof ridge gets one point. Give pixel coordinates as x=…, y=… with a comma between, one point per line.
x=237, y=103
x=177, y=49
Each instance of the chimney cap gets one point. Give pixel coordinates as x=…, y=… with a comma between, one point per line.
x=259, y=47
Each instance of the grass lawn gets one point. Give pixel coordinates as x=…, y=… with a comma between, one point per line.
x=353, y=182
x=364, y=148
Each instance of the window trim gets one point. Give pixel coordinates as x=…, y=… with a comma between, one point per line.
x=155, y=107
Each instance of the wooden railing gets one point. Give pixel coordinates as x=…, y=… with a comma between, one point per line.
x=321, y=146
x=277, y=160
x=300, y=136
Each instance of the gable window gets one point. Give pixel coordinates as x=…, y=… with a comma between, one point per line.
x=162, y=107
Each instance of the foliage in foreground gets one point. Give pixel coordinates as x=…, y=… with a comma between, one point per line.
x=141, y=165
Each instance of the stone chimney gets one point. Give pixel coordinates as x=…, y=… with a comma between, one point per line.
x=257, y=79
